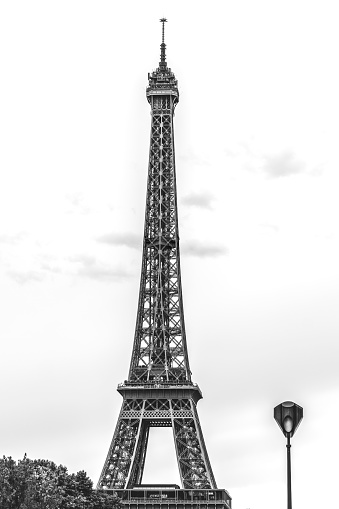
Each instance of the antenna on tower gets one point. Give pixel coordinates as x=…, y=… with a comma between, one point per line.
x=163, y=21
x=162, y=63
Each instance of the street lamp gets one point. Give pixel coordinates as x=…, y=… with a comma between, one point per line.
x=288, y=416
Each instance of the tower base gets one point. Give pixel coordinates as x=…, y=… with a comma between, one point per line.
x=171, y=497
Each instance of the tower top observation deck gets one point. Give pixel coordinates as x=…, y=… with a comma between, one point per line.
x=162, y=81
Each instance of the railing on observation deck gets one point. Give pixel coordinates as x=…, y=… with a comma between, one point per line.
x=162, y=384
x=170, y=495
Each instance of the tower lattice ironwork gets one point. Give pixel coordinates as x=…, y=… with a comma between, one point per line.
x=159, y=390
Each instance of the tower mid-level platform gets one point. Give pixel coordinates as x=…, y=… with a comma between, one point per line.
x=133, y=390
x=172, y=497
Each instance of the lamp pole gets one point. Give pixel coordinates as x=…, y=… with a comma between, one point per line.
x=289, y=489
x=288, y=416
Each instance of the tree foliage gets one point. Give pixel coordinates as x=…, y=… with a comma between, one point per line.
x=41, y=484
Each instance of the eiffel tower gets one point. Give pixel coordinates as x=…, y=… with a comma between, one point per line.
x=159, y=390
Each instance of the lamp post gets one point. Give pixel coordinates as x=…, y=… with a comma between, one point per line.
x=288, y=416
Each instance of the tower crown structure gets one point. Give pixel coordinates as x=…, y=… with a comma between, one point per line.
x=162, y=81
x=159, y=391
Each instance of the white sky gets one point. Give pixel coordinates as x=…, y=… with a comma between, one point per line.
x=256, y=133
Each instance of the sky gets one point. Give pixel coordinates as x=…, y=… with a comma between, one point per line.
x=256, y=134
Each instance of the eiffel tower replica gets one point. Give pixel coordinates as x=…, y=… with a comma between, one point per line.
x=159, y=390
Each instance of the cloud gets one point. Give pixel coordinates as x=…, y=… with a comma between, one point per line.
x=81, y=265
x=238, y=149
x=121, y=239
x=38, y=274
x=270, y=227
x=23, y=277
x=282, y=165
x=77, y=202
x=89, y=266
x=203, y=250
x=12, y=239
x=193, y=159
x=55, y=269
x=200, y=200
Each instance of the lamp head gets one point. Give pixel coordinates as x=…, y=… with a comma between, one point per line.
x=288, y=416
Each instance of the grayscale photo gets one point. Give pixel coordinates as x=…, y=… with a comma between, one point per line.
x=169, y=246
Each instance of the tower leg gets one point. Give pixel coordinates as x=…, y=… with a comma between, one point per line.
x=138, y=463
x=194, y=466
x=123, y=446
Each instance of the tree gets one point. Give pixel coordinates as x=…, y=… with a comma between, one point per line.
x=102, y=500
x=41, y=484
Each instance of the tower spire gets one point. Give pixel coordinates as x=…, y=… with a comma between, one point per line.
x=163, y=63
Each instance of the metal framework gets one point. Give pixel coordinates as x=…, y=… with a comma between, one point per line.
x=159, y=390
